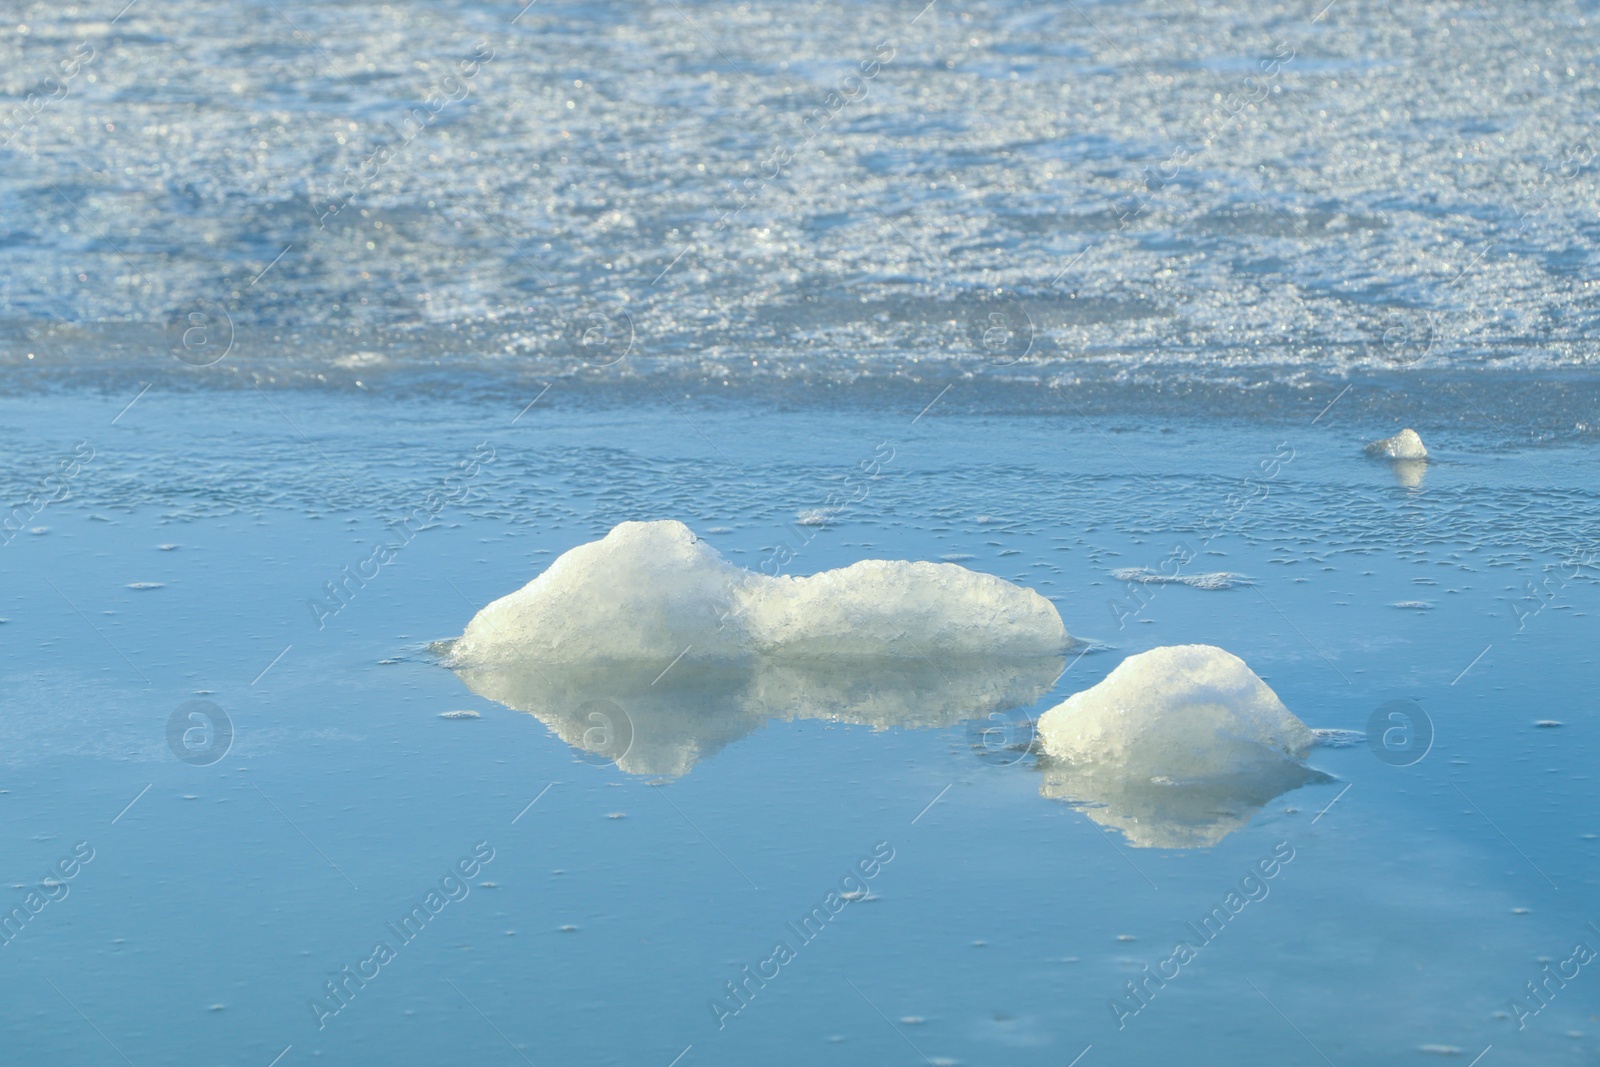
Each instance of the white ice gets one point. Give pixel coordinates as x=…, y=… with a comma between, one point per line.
x=1406, y=444
x=649, y=592
x=1183, y=713
x=648, y=650
x=1176, y=748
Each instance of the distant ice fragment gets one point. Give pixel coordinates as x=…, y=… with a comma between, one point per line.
x=459, y=715
x=1404, y=445
x=1214, y=580
x=1339, y=738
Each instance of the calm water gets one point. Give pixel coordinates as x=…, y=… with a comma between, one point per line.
x=617, y=905
x=1084, y=273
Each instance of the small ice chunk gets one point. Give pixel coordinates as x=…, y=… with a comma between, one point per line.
x=1176, y=748
x=1339, y=738
x=1188, y=712
x=459, y=715
x=1214, y=580
x=1404, y=445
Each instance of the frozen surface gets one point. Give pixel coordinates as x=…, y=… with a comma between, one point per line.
x=1182, y=713
x=1402, y=197
x=651, y=592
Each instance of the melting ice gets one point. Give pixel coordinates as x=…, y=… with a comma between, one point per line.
x=649, y=649
x=1176, y=748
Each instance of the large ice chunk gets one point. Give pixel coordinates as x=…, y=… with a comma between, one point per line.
x=1183, y=712
x=891, y=607
x=648, y=650
x=649, y=591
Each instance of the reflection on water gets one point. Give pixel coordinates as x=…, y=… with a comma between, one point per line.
x=657, y=724
x=651, y=722
x=1408, y=473
x=1166, y=813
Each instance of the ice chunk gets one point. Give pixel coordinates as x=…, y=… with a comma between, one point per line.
x=1185, y=712
x=1176, y=748
x=652, y=591
x=1404, y=445
x=644, y=592
x=651, y=630
x=1214, y=580
x=881, y=608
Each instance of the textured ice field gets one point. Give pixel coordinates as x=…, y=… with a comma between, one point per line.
x=1150, y=197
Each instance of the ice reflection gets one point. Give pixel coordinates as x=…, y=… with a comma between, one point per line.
x=1167, y=813
x=651, y=722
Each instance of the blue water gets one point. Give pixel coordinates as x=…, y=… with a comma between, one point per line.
x=1084, y=312
x=228, y=894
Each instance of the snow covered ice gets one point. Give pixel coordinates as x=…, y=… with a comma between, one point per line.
x=652, y=591
x=1176, y=748
x=1183, y=711
x=680, y=652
